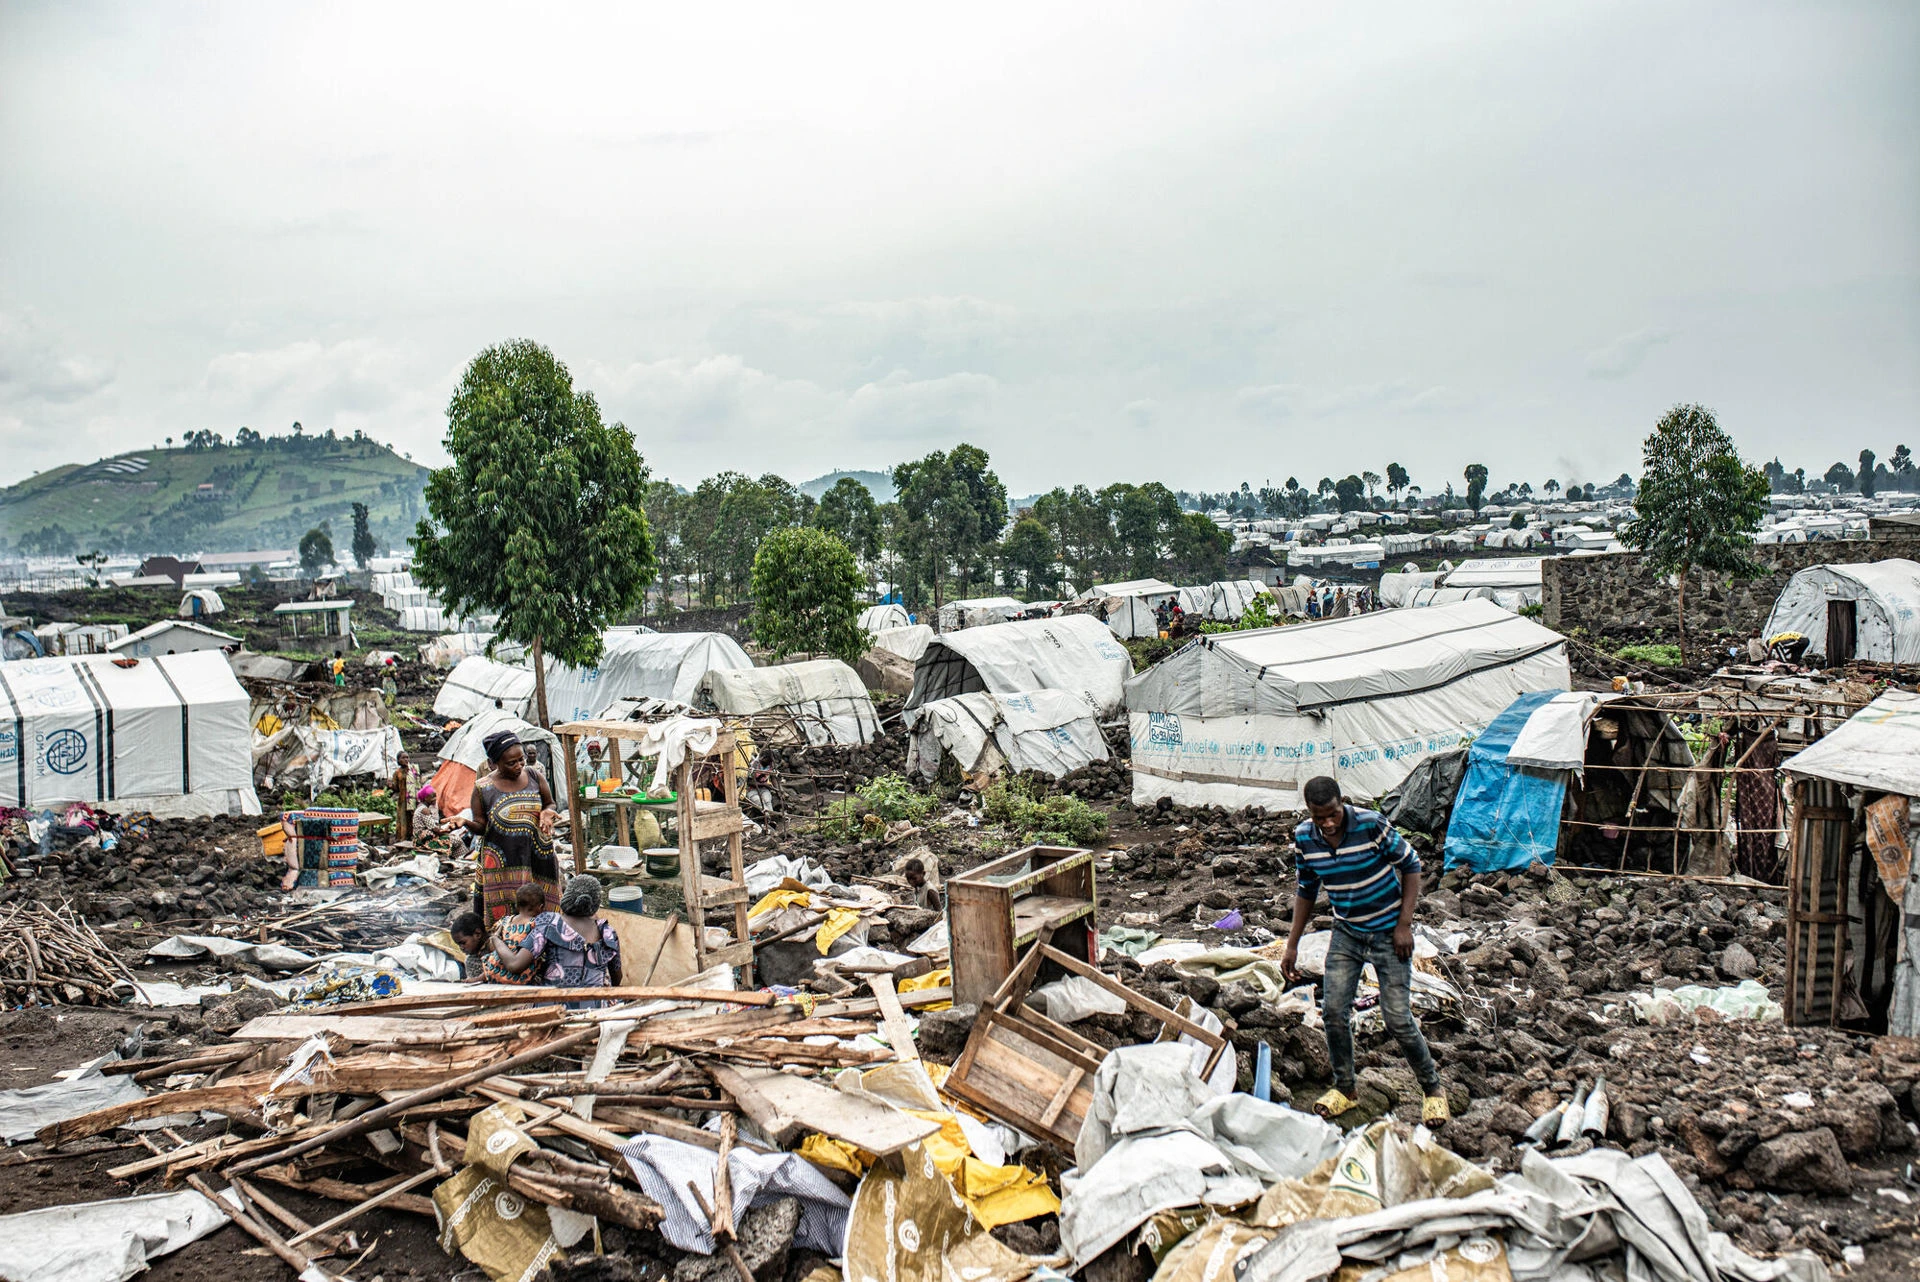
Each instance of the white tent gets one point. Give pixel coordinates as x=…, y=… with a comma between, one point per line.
x=825, y=698
x=878, y=618
x=978, y=612
x=1075, y=652
x=909, y=642
x=1245, y=718
x=1425, y=597
x=1222, y=602
x=663, y=665
x=1128, y=608
x=1052, y=731
x=446, y=650
x=887, y=665
x=1397, y=587
x=463, y=756
x=1514, y=579
x=201, y=603
x=478, y=683
x=171, y=636
x=167, y=735
x=1878, y=748
x=1876, y=606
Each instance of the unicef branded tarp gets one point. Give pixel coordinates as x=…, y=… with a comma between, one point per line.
x=659, y=665
x=1245, y=718
x=167, y=734
x=1075, y=652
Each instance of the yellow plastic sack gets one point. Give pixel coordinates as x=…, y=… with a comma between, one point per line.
x=832, y=1154
x=839, y=921
x=780, y=897
x=942, y=978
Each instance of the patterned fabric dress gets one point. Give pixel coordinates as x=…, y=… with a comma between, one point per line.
x=514, y=935
x=513, y=852
x=566, y=959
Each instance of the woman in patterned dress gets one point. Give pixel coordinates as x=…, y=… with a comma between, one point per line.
x=513, y=816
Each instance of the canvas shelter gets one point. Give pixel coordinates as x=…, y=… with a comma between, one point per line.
x=463, y=757
x=1246, y=718
x=1074, y=652
x=447, y=649
x=201, y=603
x=1397, y=587
x=659, y=665
x=1869, y=611
x=1853, y=906
x=1221, y=602
x=1128, y=608
x=876, y=619
x=1050, y=731
x=478, y=682
x=171, y=636
x=979, y=612
x=1515, y=580
x=817, y=700
x=167, y=734
x=888, y=664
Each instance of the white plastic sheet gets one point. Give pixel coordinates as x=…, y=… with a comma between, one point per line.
x=1051, y=731
x=107, y=1241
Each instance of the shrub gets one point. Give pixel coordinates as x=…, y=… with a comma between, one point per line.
x=1048, y=821
x=887, y=798
x=1654, y=655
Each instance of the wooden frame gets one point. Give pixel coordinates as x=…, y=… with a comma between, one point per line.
x=1036, y=1074
x=1005, y=904
x=1818, y=862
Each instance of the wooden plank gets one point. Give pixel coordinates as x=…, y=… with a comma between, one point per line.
x=731, y=955
x=899, y=1036
x=352, y=1028
x=554, y=996
x=785, y=1107
x=1060, y=1097
x=721, y=821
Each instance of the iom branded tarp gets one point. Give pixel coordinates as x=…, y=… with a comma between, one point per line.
x=1245, y=718
x=1052, y=731
x=825, y=698
x=1075, y=652
x=1885, y=596
x=878, y=618
x=478, y=682
x=1506, y=816
x=660, y=665
x=167, y=734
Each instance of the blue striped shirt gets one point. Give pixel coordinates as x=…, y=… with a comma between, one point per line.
x=1362, y=877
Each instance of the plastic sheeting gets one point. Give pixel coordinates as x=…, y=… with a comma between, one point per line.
x=478, y=684
x=1877, y=747
x=170, y=735
x=876, y=619
x=25, y=1111
x=1555, y=736
x=464, y=754
x=978, y=612
x=336, y=754
x=1886, y=609
x=108, y=1241
x=909, y=642
x=660, y=665
x=825, y=698
x=1505, y=816
x=1398, y=586
x=1074, y=653
x=1221, y=602
x=1051, y=731
x=1423, y=801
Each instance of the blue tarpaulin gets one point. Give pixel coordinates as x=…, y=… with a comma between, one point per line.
x=1505, y=816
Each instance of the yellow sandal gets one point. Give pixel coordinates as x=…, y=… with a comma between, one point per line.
x=1434, y=1111
x=1332, y=1104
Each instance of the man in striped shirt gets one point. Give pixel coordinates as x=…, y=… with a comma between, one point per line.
x=1372, y=880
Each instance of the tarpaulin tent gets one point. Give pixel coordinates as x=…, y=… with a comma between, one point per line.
x=201, y=603
x=478, y=682
x=878, y=618
x=824, y=699
x=1128, y=608
x=1051, y=731
x=979, y=612
x=446, y=650
x=1246, y=718
x=462, y=757
x=1221, y=602
x=888, y=664
x=1515, y=580
x=662, y=665
x=1426, y=598
x=1075, y=652
x=1505, y=816
x=909, y=642
x=1398, y=586
x=167, y=734
x=1869, y=611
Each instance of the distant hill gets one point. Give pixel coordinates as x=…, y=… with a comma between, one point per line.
x=215, y=498
x=879, y=484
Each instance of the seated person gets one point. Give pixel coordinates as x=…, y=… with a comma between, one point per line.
x=919, y=893
x=510, y=959
x=470, y=933
x=426, y=815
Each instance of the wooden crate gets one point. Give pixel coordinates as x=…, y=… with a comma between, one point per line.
x=1001, y=907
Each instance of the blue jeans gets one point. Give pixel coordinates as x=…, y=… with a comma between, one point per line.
x=1347, y=955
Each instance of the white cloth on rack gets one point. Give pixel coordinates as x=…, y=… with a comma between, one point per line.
x=673, y=742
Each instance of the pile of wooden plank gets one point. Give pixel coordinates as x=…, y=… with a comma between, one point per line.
x=51, y=955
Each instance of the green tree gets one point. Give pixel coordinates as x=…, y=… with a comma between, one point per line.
x=806, y=595
x=1476, y=475
x=1028, y=551
x=1372, y=481
x=1552, y=487
x=1397, y=480
x=1198, y=549
x=1865, y=475
x=1698, y=504
x=848, y=512
x=953, y=508
x=316, y=550
x=1350, y=493
x=538, y=518
x=1840, y=477
x=363, y=544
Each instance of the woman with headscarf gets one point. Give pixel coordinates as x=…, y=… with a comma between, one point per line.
x=573, y=948
x=513, y=817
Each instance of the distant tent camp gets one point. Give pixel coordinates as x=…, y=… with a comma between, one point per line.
x=1075, y=652
x=1869, y=611
x=1245, y=718
x=167, y=734
x=817, y=700
x=660, y=665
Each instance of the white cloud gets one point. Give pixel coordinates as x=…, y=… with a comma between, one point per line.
x=1270, y=401
x=1625, y=354
x=36, y=373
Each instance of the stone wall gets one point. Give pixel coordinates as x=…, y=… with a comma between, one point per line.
x=1615, y=592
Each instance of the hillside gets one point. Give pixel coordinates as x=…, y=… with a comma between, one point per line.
x=879, y=484
x=213, y=498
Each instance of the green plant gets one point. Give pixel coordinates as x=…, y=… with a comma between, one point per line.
x=1654, y=655
x=373, y=800
x=887, y=798
x=1532, y=610
x=1258, y=614
x=806, y=587
x=1211, y=627
x=1014, y=804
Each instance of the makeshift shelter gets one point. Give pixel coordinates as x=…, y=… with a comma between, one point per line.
x=268, y=667
x=463, y=756
x=318, y=622
x=1397, y=587
x=1075, y=652
x=171, y=636
x=662, y=665
x=1051, y=731
x=1515, y=580
x=201, y=603
x=1869, y=611
x=818, y=701
x=1853, y=907
x=978, y=612
x=167, y=734
x=1246, y=718
x=1129, y=608
x=446, y=650
x=876, y=619
x=478, y=682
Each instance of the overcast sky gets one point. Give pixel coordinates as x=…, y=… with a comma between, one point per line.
x=1197, y=244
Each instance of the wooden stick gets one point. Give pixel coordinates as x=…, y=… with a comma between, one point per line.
x=378, y=1199
x=261, y=1233
x=732, y=1251
x=371, y=1119
x=899, y=1036
x=507, y=997
x=722, y=1217
x=334, y=1243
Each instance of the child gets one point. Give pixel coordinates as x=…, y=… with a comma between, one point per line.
x=511, y=959
x=919, y=893
x=470, y=934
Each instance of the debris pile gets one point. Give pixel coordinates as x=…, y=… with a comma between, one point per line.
x=50, y=954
